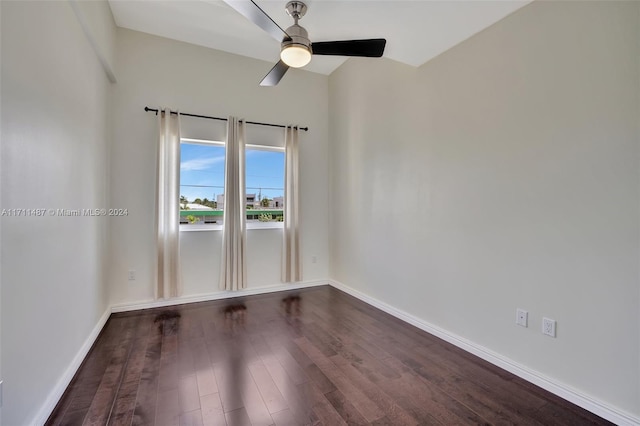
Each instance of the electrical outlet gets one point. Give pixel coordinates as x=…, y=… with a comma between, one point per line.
x=132, y=275
x=549, y=327
x=522, y=317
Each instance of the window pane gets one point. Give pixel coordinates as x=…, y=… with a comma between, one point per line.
x=201, y=182
x=264, y=185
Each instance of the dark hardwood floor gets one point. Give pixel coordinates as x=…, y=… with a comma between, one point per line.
x=315, y=356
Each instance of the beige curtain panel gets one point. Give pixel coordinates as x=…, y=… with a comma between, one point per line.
x=233, y=271
x=291, y=265
x=169, y=282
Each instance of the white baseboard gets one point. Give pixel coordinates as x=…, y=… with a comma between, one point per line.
x=602, y=409
x=57, y=392
x=125, y=307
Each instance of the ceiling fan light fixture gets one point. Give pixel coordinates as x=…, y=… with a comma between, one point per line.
x=295, y=47
x=296, y=55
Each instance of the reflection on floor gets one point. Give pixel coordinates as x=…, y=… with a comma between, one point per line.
x=315, y=356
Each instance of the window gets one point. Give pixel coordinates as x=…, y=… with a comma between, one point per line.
x=201, y=181
x=202, y=185
x=264, y=184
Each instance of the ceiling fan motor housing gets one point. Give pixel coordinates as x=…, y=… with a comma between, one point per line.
x=297, y=36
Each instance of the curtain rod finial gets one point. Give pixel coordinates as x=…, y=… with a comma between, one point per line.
x=147, y=109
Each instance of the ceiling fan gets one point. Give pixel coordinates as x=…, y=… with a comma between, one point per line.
x=296, y=48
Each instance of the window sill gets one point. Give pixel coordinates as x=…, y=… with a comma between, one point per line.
x=216, y=227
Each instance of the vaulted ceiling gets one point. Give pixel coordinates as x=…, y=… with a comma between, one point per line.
x=416, y=31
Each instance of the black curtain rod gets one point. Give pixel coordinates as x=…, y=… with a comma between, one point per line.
x=224, y=119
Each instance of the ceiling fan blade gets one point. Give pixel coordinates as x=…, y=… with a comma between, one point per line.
x=275, y=75
x=371, y=48
x=250, y=10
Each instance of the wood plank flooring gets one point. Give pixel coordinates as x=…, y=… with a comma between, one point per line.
x=315, y=356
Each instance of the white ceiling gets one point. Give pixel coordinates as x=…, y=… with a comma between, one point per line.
x=416, y=31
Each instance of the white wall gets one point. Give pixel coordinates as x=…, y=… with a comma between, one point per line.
x=97, y=23
x=54, y=145
x=503, y=174
x=153, y=71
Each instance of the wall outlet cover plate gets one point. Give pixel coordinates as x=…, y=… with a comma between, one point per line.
x=549, y=327
x=522, y=317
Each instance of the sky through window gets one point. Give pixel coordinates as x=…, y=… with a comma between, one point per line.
x=202, y=172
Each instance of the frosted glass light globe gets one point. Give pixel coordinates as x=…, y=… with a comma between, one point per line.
x=295, y=56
